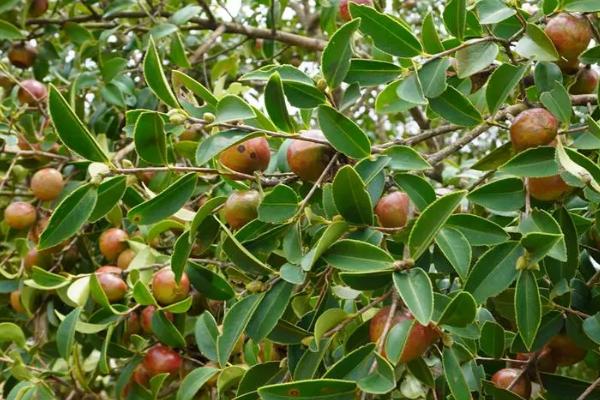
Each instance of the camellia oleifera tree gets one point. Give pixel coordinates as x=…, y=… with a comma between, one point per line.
x=316, y=200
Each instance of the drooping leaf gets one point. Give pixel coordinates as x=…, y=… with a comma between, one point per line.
x=155, y=76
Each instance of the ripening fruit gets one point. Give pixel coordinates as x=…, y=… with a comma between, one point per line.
x=308, y=160
x=532, y=128
x=31, y=92
x=164, y=288
x=545, y=362
x=570, y=33
x=392, y=210
x=113, y=285
x=125, y=258
x=38, y=8
x=565, y=351
x=549, y=188
x=247, y=157
x=19, y=215
x=141, y=375
x=586, y=81
x=6, y=83
x=22, y=55
x=146, y=320
x=504, y=378
x=37, y=259
x=161, y=359
x=47, y=184
x=112, y=242
x=241, y=207
x=419, y=339
x=192, y=133
x=15, y=301
x=345, y=11
x=132, y=324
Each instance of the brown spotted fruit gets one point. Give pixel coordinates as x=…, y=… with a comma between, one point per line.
x=161, y=359
x=22, y=55
x=571, y=35
x=586, y=81
x=32, y=92
x=247, y=157
x=345, y=9
x=532, y=128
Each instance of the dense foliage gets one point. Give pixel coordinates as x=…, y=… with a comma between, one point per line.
x=299, y=199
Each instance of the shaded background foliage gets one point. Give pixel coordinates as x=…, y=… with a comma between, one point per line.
x=295, y=284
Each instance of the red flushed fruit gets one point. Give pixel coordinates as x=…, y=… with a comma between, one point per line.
x=345, y=10
x=504, y=379
x=586, y=81
x=112, y=242
x=549, y=188
x=419, y=339
x=161, y=359
x=532, y=128
x=141, y=375
x=164, y=288
x=570, y=33
x=544, y=362
x=22, y=55
x=32, y=92
x=565, y=351
x=15, y=301
x=113, y=285
x=47, y=184
x=125, y=258
x=147, y=314
x=392, y=210
x=307, y=159
x=34, y=258
x=20, y=215
x=241, y=207
x=247, y=157
x=132, y=324
x=37, y=8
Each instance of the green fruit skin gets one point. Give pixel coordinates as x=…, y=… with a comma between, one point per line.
x=241, y=207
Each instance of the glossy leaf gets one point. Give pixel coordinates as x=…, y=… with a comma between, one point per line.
x=343, y=134
x=351, y=198
x=234, y=323
x=354, y=255
x=275, y=104
x=456, y=108
x=528, y=307
x=416, y=290
x=150, y=139
x=335, y=60
x=278, y=205
x=270, y=310
x=155, y=76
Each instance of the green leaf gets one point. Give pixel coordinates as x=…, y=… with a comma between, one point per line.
x=387, y=33
x=429, y=36
x=583, y=6
x=455, y=247
x=193, y=382
x=492, y=339
x=343, y=134
x=46, y=280
x=456, y=108
x=278, y=205
x=232, y=108
x=501, y=83
x=506, y=194
x=536, y=45
x=70, y=215
x=432, y=76
x=455, y=19
x=558, y=102
x=591, y=327
x=416, y=290
x=371, y=72
x=165, y=331
x=182, y=16
x=397, y=339
x=166, y=203
x=150, y=139
x=495, y=158
x=388, y=101
x=357, y=256
x=179, y=78
x=10, y=332
x=217, y=142
x=181, y=252
x=460, y=312
x=257, y=376
x=454, y=375
x=270, y=310
x=302, y=95
x=71, y=131
x=430, y=222
x=315, y=389
x=209, y=283
x=410, y=90
x=475, y=58
x=404, y=158
x=494, y=11
x=335, y=60
x=234, y=323
x=421, y=193
x=241, y=257
x=541, y=221
x=353, y=365
x=494, y=271
x=546, y=75
x=206, y=332
x=534, y=162
x=350, y=197
x=275, y=104
x=109, y=193
x=478, y=231
x=528, y=307
x=591, y=56
x=327, y=321
x=65, y=334
x=332, y=233
x=155, y=76
x=9, y=32
x=204, y=212
x=382, y=380
x=539, y=244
